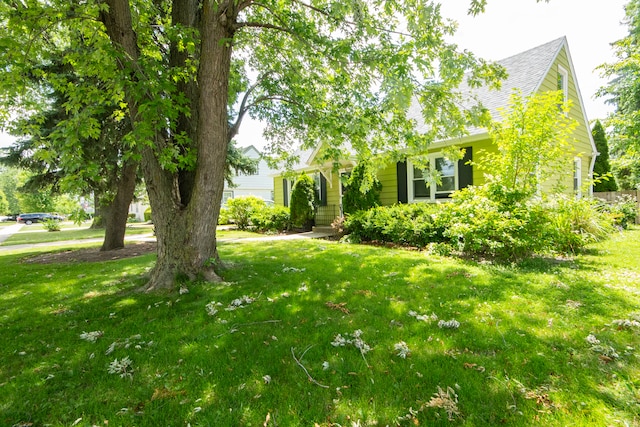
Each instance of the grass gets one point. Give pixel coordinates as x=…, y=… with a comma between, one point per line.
x=520, y=355
x=36, y=233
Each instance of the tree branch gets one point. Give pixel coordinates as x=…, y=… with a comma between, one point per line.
x=305, y=369
x=244, y=108
x=240, y=25
x=233, y=131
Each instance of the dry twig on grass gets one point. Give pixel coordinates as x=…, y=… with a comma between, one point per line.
x=305, y=369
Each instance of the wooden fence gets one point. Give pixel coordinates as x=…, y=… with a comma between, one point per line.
x=611, y=196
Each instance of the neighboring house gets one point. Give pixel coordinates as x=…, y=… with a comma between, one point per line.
x=545, y=68
x=137, y=208
x=259, y=184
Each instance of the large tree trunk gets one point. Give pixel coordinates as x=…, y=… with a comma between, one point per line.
x=185, y=213
x=116, y=213
x=187, y=235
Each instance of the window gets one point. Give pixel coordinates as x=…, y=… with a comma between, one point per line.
x=563, y=83
x=320, y=184
x=420, y=189
x=287, y=186
x=577, y=177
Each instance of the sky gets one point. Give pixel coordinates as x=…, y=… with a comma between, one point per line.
x=509, y=27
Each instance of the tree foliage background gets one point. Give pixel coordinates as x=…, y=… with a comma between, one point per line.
x=623, y=91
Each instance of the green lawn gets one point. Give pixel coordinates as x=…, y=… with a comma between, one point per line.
x=544, y=343
x=36, y=233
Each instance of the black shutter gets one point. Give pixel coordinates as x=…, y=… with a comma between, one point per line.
x=401, y=172
x=323, y=190
x=465, y=171
x=285, y=192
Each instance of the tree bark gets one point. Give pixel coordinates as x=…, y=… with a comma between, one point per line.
x=185, y=213
x=187, y=236
x=116, y=213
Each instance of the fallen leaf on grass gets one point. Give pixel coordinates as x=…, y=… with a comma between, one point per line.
x=605, y=359
x=340, y=306
x=165, y=393
x=474, y=366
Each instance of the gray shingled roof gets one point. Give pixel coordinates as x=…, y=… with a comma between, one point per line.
x=526, y=72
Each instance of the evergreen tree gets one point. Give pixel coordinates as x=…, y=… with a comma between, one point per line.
x=302, y=202
x=602, y=167
x=623, y=91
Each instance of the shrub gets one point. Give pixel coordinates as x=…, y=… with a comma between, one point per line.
x=224, y=217
x=354, y=199
x=302, y=202
x=271, y=219
x=624, y=210
x=147, y=214
x=405, y=224
x=490, y=221
x=241, y=209
x=576, y=223
x=51, y=224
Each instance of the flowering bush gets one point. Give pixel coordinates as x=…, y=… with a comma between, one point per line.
x=624, y=210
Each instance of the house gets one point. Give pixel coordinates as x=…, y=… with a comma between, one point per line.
x=544, y=68
x=259, y=184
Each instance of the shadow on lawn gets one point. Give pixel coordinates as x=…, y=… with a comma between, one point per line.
x=518, y=357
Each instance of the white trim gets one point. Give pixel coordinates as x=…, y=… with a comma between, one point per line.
x=577, y=176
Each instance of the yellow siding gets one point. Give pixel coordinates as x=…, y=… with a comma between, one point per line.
x=486, y=145
x=333, y=189
x=389, y=179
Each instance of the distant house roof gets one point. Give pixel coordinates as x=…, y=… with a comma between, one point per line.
x=247, y=151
